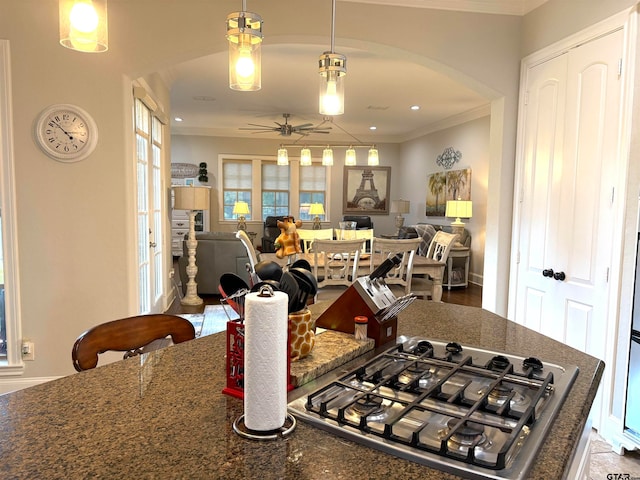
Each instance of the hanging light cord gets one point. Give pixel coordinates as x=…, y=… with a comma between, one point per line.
x=333, y=26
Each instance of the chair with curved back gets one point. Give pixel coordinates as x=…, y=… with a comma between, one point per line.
x=336, y=261
x=251, y=253
x=308, y=236
x=402, y=273
x=129, y=335
x=439, y=249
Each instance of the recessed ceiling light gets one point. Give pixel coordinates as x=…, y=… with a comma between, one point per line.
x=178, y=119
x=415, y=107
x=373, y=127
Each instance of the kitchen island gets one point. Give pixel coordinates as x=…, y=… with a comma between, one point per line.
x=164, y=416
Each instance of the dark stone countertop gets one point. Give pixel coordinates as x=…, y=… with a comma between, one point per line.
x=165, y=417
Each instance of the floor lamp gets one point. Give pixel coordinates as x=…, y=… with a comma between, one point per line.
x=192, y=199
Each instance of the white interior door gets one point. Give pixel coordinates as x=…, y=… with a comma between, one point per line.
x=571, y=143
x=149, y=151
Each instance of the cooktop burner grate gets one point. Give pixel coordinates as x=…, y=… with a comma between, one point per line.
x=424, y=400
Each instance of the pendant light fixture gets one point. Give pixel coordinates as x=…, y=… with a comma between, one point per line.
x=372, y=158
x=327, y=156
x=244, y=33
x=332, y=69
x=305, y=157
x=283, y=156
x=83, y=25
x=350, y=156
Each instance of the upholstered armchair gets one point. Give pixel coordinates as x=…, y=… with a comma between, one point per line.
x=270, y=232
x=363, y=222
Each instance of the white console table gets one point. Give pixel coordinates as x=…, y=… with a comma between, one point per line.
x=457, y=252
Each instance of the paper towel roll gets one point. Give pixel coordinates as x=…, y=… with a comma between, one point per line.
x=265, y=361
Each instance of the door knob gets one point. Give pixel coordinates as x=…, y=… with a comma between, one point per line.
x=560, y=276
x=548, y=272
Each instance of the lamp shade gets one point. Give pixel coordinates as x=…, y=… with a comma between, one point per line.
x=400, y=206
x=283, y=156
x=316, y=209
x=327, y=157
x=459, y=209
x=191, y=198
x=305, y=157
x=241, y=208
x=83, y=25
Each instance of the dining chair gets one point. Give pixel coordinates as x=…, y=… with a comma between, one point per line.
x=336, y=261
x=402, y=273
x=439, y=249
x=130, y=335
x=367, y=236
x=251, y=253
x=308, y=236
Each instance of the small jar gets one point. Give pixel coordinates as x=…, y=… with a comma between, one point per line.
x=360, y=331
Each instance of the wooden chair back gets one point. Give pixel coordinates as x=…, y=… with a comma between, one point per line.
x=129, y=335
x=367, y=236
x=308, y=236
x=336, y=261
x=402, y=273
x=439, y=249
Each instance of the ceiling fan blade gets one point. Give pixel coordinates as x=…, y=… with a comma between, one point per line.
x=303, y=126
x=258, y=125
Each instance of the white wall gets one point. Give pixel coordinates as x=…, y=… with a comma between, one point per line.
x=419, y=160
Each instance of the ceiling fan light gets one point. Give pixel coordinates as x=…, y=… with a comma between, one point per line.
x=305, y=157
x=327, y=157
x=283, y=157
x=372, y=158
x=350, y=156
x=244, y=33
x=83, y=25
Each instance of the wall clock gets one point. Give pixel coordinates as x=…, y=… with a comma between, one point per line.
x=66, y=133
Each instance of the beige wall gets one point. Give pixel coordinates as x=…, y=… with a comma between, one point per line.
x=76, y=228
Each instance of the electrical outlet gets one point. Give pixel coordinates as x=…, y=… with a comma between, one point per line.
x=28, y=351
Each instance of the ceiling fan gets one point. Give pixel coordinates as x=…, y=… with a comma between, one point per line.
x=286, y=129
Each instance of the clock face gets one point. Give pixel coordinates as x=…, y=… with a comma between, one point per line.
x=66, y=133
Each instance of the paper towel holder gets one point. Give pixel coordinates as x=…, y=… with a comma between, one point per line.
x=241, y=429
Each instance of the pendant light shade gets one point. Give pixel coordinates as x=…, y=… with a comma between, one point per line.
x=305, y=157
x=372, y=158
x=350, y=156
x=83, y=25
x=327, y=157
x=244, y=33
x=283, y=156
x=332, y=69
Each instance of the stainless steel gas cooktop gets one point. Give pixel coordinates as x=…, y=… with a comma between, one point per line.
x=467, y=411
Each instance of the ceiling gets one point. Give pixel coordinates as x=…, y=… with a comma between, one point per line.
x=374, y=95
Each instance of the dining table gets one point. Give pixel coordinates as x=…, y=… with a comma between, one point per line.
x=421, y=266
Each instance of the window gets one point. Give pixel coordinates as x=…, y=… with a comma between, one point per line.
x=279, y=190
x=313, y=184
x=275, y=190
x=237, y=184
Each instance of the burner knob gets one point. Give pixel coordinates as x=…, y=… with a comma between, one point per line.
x=532, y=362
x=499, y=362
x=453, y=347
x=422, y=347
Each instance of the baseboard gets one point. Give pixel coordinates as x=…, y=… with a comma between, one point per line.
x=11, y=385
x=475, y=278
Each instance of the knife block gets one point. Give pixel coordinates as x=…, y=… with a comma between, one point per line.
x=353, y=302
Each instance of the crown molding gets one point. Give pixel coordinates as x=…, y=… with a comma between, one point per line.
x=498, y=7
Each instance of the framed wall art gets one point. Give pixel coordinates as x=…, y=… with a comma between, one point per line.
x=443, y=186
x=366, y=190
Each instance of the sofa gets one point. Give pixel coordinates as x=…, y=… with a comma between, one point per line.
x=426, y=232
x=216, y=253
x=363, y=222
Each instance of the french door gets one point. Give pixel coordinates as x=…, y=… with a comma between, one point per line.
x=149, y=156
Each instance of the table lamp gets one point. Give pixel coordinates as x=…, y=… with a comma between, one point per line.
x=316, y=209
x=191, y=198
x=458, y=209
x=400, y=207
x=241, y=209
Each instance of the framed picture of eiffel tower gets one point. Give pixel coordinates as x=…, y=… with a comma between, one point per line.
x=366, y=190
